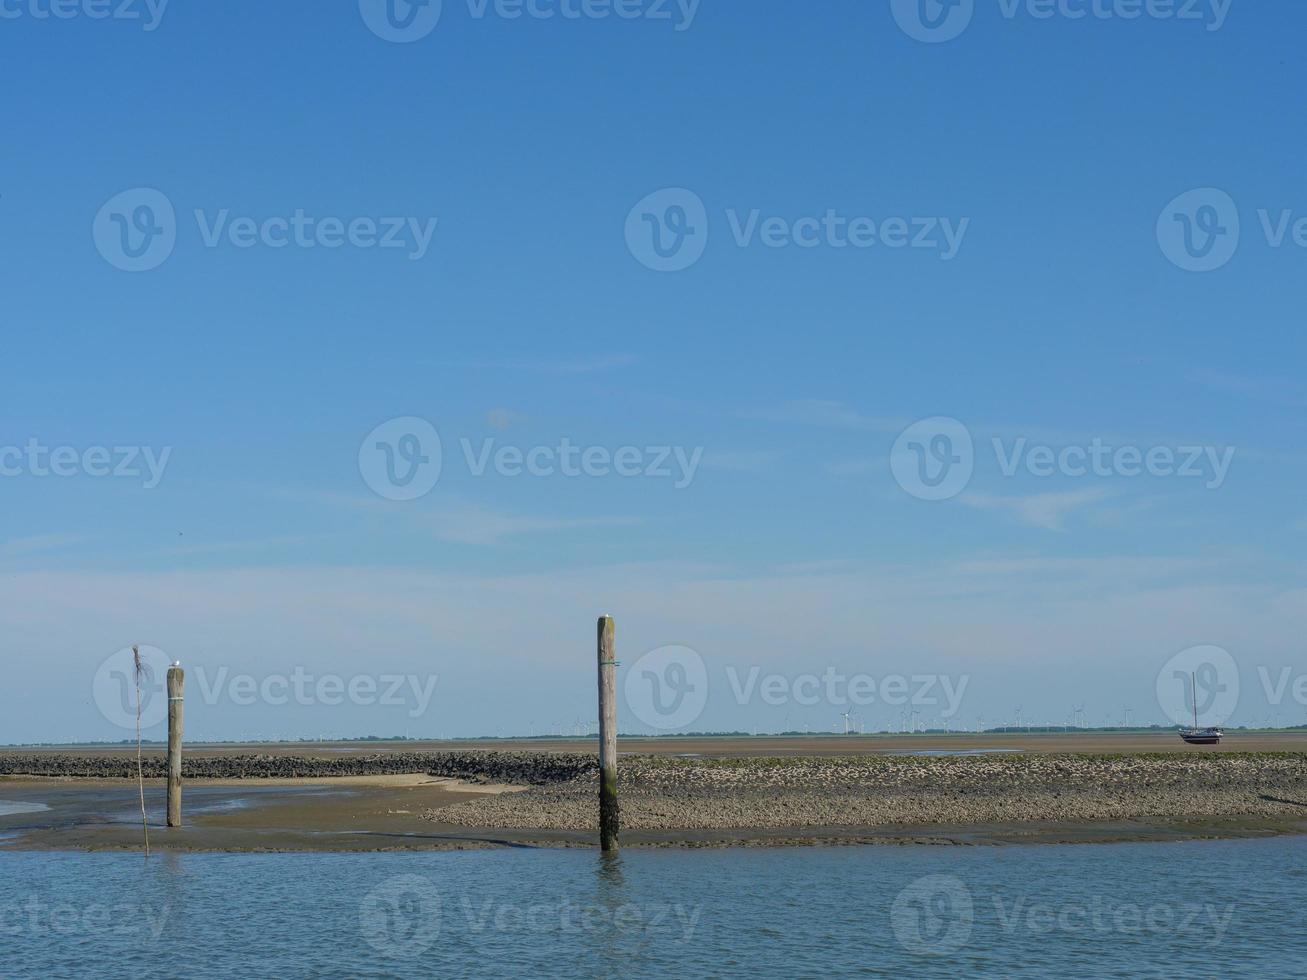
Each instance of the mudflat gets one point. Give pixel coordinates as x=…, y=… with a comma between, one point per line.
x=351, y=813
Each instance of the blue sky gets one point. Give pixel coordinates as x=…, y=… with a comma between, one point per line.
x=1052, y=146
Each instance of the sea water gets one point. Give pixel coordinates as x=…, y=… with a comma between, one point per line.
x=1202, y=909
x=9, y=808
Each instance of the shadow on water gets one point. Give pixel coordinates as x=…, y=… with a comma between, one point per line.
x=611, y=895
x=167, y=871
x=609, y=874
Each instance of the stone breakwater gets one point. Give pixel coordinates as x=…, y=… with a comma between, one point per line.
x=489, y=767
x=661, y=794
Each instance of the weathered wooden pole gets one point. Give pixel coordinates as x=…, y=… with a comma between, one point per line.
x=176, y=684
x=608, y=808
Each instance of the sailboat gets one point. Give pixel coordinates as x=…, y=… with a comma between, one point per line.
x=1196, y=735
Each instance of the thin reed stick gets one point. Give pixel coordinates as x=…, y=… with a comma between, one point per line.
x=140, y=770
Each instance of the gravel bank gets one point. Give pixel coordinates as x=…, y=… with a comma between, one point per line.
x=663, y=794
x=666, y=794
x=491, y=767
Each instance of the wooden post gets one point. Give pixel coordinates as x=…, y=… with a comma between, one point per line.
x=608, y=808
x=176, y=684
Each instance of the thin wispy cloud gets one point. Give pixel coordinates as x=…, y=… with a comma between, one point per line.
x=453, y=519
x=1044, y=510
x=478, y=525
x=185, y=547
x=996, y=437
x=1133, y=569
x=39, y=543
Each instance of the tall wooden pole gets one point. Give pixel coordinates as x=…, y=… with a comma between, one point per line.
x=176, y=684
x=608, y=808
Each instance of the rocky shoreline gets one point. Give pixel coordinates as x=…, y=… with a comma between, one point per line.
x=664, y=794
x=489, y=767
x=660, y=794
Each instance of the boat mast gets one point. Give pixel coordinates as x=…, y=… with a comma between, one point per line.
x=1193, y=680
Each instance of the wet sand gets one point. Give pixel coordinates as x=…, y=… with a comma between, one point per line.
x=369, y=813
